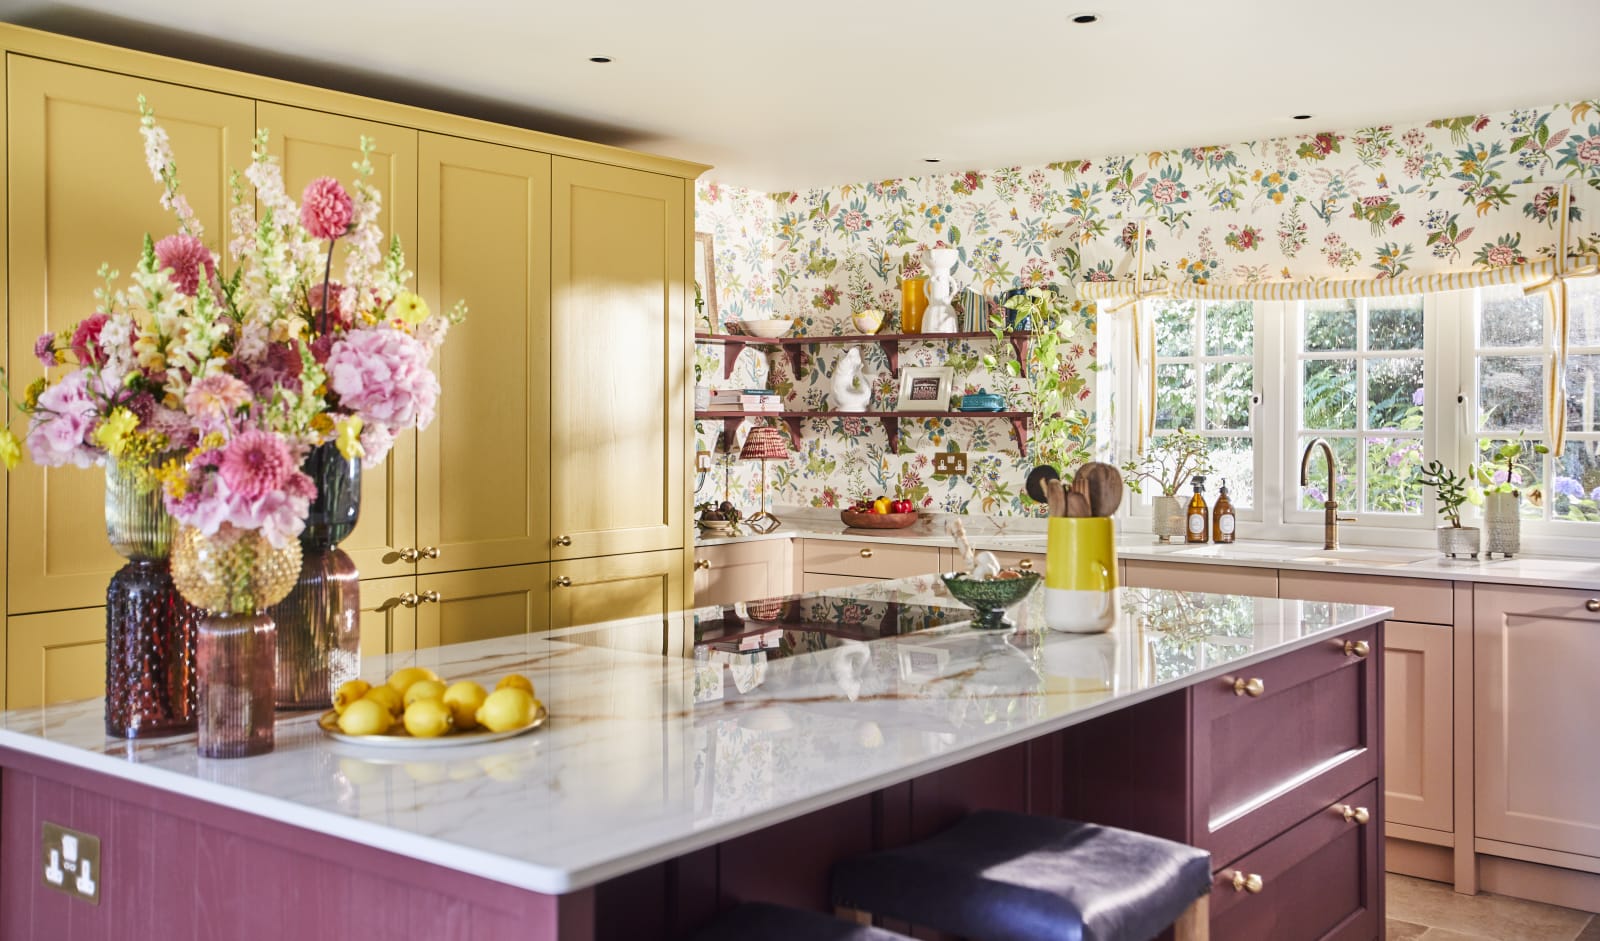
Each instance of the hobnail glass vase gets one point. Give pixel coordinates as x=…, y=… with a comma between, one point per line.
x=1502, y=514
x=235, y=575
x=319, y=622
x=150, y=629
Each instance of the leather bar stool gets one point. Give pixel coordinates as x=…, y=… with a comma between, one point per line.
x=998, y=876
x=759, y=921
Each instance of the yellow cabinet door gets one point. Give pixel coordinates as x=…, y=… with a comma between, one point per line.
x=588, y=591
x=388, y=615
x=619, y=348
x=461, y=606
x=55, y=657
x=483, y=471
x=79, y=195
x=311, y=144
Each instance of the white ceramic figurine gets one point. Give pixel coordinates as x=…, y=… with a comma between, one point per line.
x=851, y=391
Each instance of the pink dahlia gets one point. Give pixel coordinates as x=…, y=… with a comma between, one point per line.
x=326, y=209
x=256, y=464
x=187, y=257
x=86, y=340
x=383, y=375
x=215, y=399
x=44, y=349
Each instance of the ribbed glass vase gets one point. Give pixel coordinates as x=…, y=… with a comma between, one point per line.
x=137, y=521
x=1502, y=521
x=319, y=630
x=337, y=506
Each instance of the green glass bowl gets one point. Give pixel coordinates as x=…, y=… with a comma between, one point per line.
x=990, y=598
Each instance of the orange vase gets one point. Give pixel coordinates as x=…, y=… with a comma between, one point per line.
x=913, y=301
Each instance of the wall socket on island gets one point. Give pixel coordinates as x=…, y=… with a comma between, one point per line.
x=950, y=464
x=72, y=862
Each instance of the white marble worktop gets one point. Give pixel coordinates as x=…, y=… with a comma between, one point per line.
x=1027, y=535
x=648, y=756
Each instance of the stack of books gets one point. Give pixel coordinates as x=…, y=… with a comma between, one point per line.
x=745, y=400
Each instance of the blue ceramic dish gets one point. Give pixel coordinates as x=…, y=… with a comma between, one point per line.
x=983, y=402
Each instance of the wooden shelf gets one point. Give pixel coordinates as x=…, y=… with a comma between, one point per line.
x=888, y=342
x=891, y=422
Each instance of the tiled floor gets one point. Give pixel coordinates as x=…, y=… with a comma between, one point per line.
x=1432, y=911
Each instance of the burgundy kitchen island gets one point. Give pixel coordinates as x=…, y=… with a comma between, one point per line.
x=733, y=754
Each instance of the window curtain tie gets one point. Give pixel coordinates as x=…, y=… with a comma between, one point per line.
x=1144, y=346
x=1555, y=289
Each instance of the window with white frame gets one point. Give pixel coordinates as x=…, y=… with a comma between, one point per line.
x=1206, y=383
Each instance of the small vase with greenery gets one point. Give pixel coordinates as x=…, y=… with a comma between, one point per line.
x=1167, y=463
x=1497, y=487
x=1451, y=489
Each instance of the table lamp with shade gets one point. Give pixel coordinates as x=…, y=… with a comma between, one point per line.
x=764, y=443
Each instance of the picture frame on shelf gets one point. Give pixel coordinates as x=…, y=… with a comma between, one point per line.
x=705, y=283
x=925, y=388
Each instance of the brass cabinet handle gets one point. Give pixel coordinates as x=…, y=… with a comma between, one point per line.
x=1025, y=564
x=429, y=552
x=702, y=565
x=1358, y=814
x=408, y=599
x=1251, y=883
x=563, y=540
x=1593, y=604
x=866, y=553
x=1357, y=648
x=432, y=596
x=563, y=582
x=408, y=554
x=1252, y=687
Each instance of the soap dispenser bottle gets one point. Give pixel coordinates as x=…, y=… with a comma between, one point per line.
x=1199, y=515
x=1222, y=516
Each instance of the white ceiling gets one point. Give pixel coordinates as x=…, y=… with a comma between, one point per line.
x=780, y=95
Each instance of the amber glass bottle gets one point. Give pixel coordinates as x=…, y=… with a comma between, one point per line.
x=1222, y=516
x=1199, y=518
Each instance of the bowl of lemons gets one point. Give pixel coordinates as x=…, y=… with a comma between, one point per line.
x=414, y=708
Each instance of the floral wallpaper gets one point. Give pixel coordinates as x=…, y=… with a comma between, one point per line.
x=1453, y=194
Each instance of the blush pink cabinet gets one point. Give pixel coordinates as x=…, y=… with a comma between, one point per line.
x=1218, y=579
x=741, y=571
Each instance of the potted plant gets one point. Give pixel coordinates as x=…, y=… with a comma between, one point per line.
x=1451, y=488
x=1059, y=431
x=1167, y=463
x=1497, y=482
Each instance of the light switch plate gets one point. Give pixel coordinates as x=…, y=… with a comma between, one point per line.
x=950, y=464
x=702, y=461
x=71, y=862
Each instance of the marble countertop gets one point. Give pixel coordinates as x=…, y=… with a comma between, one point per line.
x=781, y=708
x=1027, y=535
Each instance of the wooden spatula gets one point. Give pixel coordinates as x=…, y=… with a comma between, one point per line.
x=1102, y=483
x=1078, y=505
x=1055, y=496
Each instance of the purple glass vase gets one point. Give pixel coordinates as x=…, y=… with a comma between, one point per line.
x=235, y=654
x=319, y=630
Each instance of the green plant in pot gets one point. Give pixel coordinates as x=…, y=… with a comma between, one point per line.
x=1168, y=462
x=1451, y=490
x=1059, y=432
x=1496, y=487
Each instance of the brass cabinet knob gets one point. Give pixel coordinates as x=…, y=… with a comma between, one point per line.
x=429, y=552
x=408, y=554
x=1251, y=883
x=702, y=565
x=1358, y=814
x=1252, y=687
x=1357, y=648
x=1025, y=564
x=866, y=553
x=409, y=599
x=563, y=582
x=432, y=596
x=563, y=540
x=1593, y=604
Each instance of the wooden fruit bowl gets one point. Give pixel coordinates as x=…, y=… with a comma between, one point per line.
x=877, y=520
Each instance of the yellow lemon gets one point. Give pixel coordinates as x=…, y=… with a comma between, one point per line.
x=424, y=689
x=427, y=718
x=401, y=680
x=507, y=708
x=365, y=717
x=386, y=697
x=515, y=681
x=464, y=698
x=349, y=692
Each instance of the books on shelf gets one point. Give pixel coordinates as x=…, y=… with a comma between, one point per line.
x=745, y=400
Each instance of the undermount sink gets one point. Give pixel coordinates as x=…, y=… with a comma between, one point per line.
x=1242, y=551
x=1363, y=556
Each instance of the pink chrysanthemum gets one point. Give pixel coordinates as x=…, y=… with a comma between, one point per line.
x=86, y=340
x=326, y=209
x=256, y=464
x=44, y=349
x=187, y=256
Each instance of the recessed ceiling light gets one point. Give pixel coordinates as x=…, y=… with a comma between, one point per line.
x=1302, y=117
x=930, y=159
x=600, y=59
x=1085, y=18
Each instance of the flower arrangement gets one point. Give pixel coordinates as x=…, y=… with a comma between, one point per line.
x=217, y=386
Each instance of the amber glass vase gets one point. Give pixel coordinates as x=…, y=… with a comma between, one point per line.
x=235, y=575
x=913, y=303
x=150, y=629
x=319, y=623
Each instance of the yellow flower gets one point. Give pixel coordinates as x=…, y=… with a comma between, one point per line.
x=322, y=424
x=112, y=432
x=174, y=477
x=350, y=438
x=10, y=448
x=30, y=396
x=411, y=308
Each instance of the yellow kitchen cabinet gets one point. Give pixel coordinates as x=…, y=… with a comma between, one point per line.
x=483, y=470
x=619, y=346
x=588, y=591
x=311, y=144
x=79, y=194
x=55, y=657
x=388, y=615
x=457, y=607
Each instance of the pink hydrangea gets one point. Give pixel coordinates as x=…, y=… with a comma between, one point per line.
x=187, y=256
x=253, y=482
x=59, y=429
x=326, y=209
x=383, y=375
x=255, y=464
x=86, y=340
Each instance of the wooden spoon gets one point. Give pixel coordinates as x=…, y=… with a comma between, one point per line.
x=1036, y=478
x=1078, y=505
x=1055, y=496
x=1103, y=484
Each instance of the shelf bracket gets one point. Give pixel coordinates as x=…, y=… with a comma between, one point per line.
x=794, y=422
x=796, y=354
x=730, y=357
x=1019, y=427
x=891, y=352
x=1019, y=343
x=891, y=427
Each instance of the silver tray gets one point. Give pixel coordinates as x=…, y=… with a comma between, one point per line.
x=451, y=740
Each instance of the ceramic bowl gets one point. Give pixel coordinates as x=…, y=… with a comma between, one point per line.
x=877, y=520
x=767, y=328
x=867, y=321
x=990, y=597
